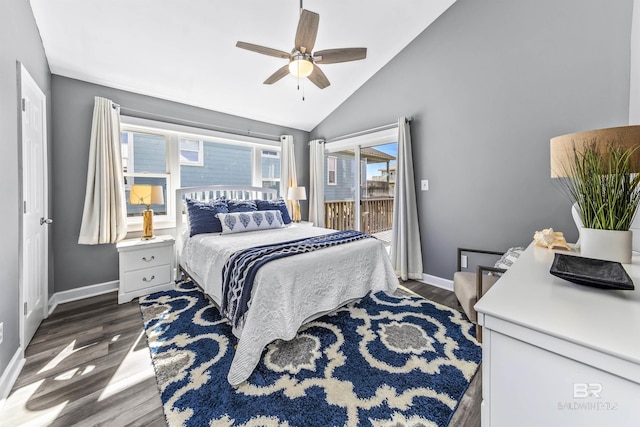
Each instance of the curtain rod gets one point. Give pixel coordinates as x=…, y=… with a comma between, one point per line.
x=147, y=115
x=367, y=131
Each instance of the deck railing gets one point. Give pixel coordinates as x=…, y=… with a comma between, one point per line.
x=376, y=215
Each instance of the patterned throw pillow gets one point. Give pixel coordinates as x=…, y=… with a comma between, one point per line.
x=241, y=205
x=202, y=216
x=509, y=257
x=239, y=222
x=277, y=204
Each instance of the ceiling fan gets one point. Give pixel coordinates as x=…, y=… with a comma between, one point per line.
x=302, y=62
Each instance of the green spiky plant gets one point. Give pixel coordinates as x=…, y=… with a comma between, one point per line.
x=603, y=186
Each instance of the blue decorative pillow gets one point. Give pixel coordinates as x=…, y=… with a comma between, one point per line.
x=239, y=222
x=277, y=204
x=241, y=205
x=202, y=216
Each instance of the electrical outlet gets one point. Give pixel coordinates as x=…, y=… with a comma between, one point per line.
x=424, y=185
x=1, y=332
x=463, y=261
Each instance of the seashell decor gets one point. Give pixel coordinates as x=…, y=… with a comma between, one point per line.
x=548, y=238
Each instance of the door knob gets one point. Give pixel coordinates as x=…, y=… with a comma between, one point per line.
x=45, y=221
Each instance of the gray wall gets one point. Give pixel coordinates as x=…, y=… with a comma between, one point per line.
x=488, y=84
x=79, y=265
x=19, y=41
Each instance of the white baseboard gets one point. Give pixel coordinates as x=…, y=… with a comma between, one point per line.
x=81, y=293
x=438, y=281
x=10, y=374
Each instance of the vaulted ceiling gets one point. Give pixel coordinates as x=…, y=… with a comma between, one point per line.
x=185, y=51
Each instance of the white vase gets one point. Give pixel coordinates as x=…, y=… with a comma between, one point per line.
x=609, y=245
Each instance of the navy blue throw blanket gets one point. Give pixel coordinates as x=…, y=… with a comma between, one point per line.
x=240, y=270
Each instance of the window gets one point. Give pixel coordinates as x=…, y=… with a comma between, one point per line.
x=191, y=152
x=270, y=169
x=173, y=156
x=144, y=163
x=332, y=168
x=126, y=155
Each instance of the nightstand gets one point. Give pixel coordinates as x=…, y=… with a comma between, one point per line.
x=146, y=266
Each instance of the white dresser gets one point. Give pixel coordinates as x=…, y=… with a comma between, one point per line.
x=146, y=266
x=559, y=354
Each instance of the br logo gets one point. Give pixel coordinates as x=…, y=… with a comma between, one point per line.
x=584, y=390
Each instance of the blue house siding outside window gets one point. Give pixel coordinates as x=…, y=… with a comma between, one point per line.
x=149, y=153
x=344, y=189
x=223, y=164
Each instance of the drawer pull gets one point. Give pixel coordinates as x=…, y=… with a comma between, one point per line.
x=144, y=279
x=148, y=259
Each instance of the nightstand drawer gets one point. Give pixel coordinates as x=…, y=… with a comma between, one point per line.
x=146, y=278
x=145, y=258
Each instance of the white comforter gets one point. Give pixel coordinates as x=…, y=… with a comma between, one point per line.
x=289, y=291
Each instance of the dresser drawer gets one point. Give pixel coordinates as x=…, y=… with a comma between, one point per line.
x=145, y=258
x=146, y=278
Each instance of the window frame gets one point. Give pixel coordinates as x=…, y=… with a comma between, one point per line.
x=257, y=166
x=334, y=160
x=173, y=133
x=200, y=151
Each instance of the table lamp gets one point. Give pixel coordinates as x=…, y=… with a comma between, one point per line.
x=602, y=186
x=296, y=194
x=562, y=147
x=146, y=195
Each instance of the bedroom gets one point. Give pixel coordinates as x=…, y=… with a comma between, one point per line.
x=487, y=85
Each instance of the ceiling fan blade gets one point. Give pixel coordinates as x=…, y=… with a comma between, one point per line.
x=263, y=50
x=282, y=71
x=331, y=56
x=307, y=30
x=318, y=78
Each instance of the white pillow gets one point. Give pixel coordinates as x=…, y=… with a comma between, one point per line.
x=239, y=222
x=509, y=257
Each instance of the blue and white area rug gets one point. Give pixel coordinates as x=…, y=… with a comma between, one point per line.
x=381, y=361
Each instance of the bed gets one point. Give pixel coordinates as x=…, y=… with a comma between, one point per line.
x=287, y=292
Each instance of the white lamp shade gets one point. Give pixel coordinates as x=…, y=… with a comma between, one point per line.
x=146, y=195
x=300, y=67
x=297, y=193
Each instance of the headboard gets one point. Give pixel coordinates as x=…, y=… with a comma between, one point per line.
x=213, y=192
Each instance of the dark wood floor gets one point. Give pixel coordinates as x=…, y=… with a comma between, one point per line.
x=89, y=364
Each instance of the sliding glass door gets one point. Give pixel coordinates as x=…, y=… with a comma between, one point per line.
x=359, y=185
x=340, y=190
x=378, y=178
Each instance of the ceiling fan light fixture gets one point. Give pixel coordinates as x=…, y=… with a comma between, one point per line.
x=303, y=60
x=300, y=67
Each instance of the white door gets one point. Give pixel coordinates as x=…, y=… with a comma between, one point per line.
x=34, y=283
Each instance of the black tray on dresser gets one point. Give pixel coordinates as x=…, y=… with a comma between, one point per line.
x=591, y=272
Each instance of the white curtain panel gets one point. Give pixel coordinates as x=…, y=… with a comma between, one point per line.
x=104, y=219
x=288, y=176
x=316, y=186
x=406, y=253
